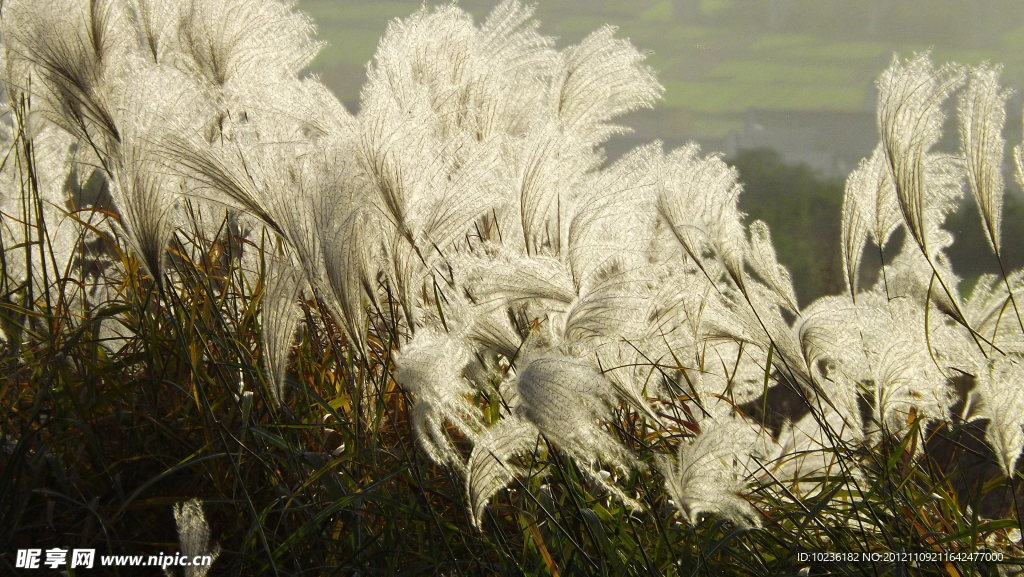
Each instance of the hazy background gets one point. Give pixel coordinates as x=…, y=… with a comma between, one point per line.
x=744, y=76
x=797, y=75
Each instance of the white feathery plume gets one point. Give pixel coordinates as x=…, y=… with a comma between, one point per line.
x=910, y=274
x=431, y=367
x=492, y=330
x=711, y=471
x=74, y=47
x=566, y=399
x=511, y=37
x=518, y=59
x=237, y=44
x=906, y=390
x=761, y=258
x=909, y=382
x=611, y=307
x=945, y=176
x=292, y=110
x=1018, y=164
x=194, y=536
x=489, y=468
x=698, y=198
x=855, y=225
x=349, y=267
x=392, y=175
x=291, y=197
x=156, y=23
x=144, y=201
x=910, y=117
x=446, y=206
x=422, y=61
x=218, y=173
x=548, y=164
x=982, y=116
x=1001, y=389
x=987, y=310
x=474, y=82
x=265, y=169
x=629, y=367
x=754, y=316
x=405, y=274
x=500, y=279
x=834, y=333
x=600, y=78
x=869, y=208
x=612, y=215
x=281, y=318
x=151, y=103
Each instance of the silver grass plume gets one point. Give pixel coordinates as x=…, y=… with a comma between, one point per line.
x=761, y=258
x=754, y=315
x=630, y=368
x=519, y=56
x=194, y=536
x=566, y=399
x=235, y=44
x=500, y=279
x=854, y=226
x=74, y=46
x=910, y=117
x=430, y=199
x=280, y=313
x=547, y=168
x=405, y=273
x=600, y=78
x=350, y=269
x=986, y=310
x=612, y=216
x=982, y=116
x=698, y=199
x=390, y=173
x=1001, y=389
x=457, y=197
x=421, y=60
x=218, y=173
x=156, y=23
x=494, y=331
x=913, y=275
x=869, y=208
x=834, y=334
x=431, y=367
x=711, y=471
x=144, y=200
x=611, y=307
x=477, y=82
x=151, y=103
x=909, y=380
x=490, y=467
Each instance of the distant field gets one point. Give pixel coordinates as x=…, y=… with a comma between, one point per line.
x=716, y=61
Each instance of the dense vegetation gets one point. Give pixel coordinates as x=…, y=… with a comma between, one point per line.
x=446, y=335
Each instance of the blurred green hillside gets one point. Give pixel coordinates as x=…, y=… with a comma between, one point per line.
x=720, y=58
